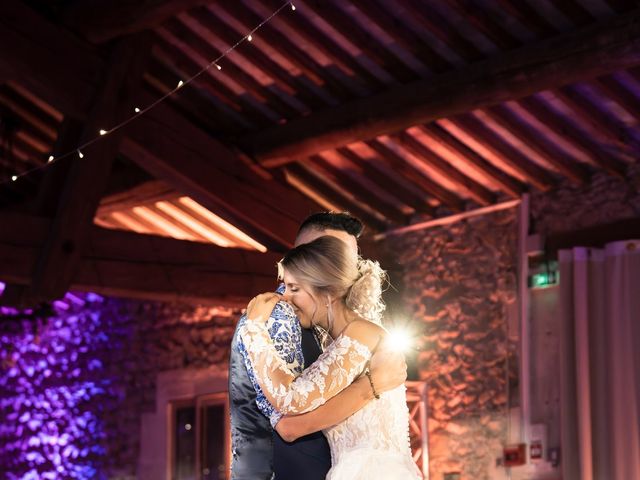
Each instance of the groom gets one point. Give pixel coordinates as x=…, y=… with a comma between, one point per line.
x=258, y=451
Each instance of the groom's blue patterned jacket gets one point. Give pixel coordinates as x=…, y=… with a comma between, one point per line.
x=258, y=451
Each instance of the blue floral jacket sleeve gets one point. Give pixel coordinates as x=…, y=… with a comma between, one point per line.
x=286, y=334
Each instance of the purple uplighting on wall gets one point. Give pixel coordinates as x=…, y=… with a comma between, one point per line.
x=53, y=389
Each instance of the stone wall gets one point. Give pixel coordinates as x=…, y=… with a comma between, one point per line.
x=73, y=386
x=459, y=283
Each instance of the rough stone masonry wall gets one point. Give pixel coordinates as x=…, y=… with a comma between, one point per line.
x=459, y=282
x=73, y=386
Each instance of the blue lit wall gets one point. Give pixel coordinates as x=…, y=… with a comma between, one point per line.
x=52, y=392
x=73, y=385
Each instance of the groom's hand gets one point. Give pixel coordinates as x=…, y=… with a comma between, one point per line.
x=388, y=369
x=261, y=306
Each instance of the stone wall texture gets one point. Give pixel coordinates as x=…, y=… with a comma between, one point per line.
x=73, y=386
x=459, y=282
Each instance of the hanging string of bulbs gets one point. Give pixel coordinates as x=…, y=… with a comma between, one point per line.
x=141, y=111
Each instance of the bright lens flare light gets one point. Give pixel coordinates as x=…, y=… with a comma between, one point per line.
x=400, y=340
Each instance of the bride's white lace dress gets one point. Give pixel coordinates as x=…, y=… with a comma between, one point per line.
x=373, y=443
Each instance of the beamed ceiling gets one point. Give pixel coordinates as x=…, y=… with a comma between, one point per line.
x=399, y=111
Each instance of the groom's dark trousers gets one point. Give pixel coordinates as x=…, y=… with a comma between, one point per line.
x=258, y=451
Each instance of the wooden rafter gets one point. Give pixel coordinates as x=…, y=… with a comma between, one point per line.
x=141, y=266
x=588, y=52
x=86, y=181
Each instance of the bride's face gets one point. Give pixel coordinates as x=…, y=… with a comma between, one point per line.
x=308, y=308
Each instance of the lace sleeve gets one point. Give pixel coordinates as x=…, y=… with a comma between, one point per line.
x=342, y=362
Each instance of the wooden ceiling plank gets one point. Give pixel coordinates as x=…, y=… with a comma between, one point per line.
x=510, y=185
x=323, y=168
x=601, y=121
x=534, y=174
x=362, y=39
x=400, y=165
x=620, y=94
x=475, y=13
x=569, y=167
x=170, y=46
x=327, y=46
x=576, y=137
x=335, y=197
x=205, y=50
x=592, y=51
x=404, y=36
x=102, y=20
x=479, y=193
x=371, y=170
x=440, y=26
x=282, y=78
x=297, y=56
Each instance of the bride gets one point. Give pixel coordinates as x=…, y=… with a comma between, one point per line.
x=328, y=287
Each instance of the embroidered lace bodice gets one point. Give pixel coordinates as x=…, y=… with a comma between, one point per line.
x=382, y=425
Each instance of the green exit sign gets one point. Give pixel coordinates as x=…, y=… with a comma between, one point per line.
x=544, y=279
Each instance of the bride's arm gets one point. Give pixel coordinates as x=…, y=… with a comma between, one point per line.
x=337, y=409
x=388, y=370
x=341, y=363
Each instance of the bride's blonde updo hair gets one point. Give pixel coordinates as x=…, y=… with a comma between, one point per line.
x=328, y=266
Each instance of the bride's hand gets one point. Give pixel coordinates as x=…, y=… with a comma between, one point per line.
x=261, y=306
x=388, y=368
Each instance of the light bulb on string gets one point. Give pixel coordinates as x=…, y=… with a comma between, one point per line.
x=140, y=111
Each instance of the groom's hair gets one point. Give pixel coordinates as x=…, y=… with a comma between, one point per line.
x=333, y=220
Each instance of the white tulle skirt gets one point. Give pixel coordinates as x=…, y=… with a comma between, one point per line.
x=370, y=464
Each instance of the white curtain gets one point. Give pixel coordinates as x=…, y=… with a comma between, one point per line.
x=600, y=362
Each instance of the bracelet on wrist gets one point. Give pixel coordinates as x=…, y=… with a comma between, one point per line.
x=373, y=389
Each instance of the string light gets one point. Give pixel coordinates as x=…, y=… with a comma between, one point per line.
x=138, y=111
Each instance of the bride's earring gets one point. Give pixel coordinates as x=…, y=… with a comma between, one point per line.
x=329, y=315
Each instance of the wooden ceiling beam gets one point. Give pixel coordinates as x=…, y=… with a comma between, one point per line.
x=86, y=180
x=204, y=169
x=141, y=266
x=598, y=49
x=102, y=20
